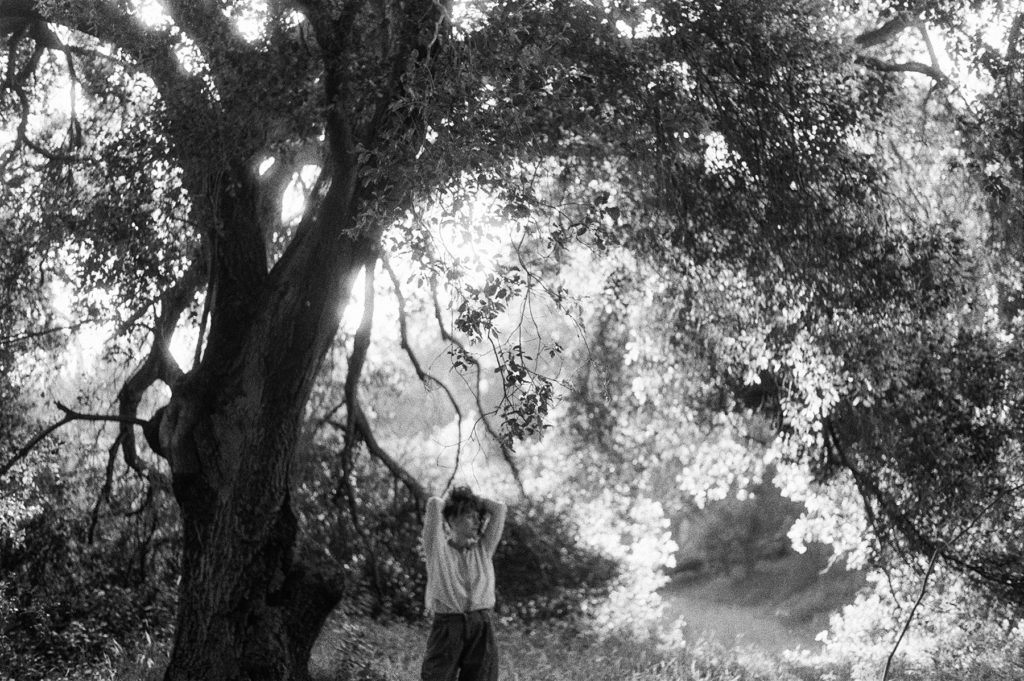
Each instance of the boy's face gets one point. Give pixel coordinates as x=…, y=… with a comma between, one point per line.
x=466, y=525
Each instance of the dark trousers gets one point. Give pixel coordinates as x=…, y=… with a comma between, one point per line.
x=461, y=646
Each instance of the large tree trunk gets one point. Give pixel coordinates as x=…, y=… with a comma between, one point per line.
x=246, y=610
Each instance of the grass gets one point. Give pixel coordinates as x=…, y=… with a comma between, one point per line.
x=550, y=652
x=556, y=653
x=363, y=649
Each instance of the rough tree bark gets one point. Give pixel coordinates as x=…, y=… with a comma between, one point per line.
x=247, y=608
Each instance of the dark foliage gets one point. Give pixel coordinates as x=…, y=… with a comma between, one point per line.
x=66, y=602
x=542, y=570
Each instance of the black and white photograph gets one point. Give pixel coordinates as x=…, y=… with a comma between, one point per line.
x=508, y=340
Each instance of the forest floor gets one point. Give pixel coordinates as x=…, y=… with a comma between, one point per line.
x=783, y=604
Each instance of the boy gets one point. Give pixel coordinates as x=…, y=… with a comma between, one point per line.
x=460, y=586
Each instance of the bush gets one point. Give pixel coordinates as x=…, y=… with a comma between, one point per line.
x=958, y=631
x=66, y=602
x=542, y=568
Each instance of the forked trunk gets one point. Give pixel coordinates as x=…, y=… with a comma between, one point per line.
x=247, y=611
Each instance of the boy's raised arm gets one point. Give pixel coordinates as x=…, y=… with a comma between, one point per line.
x=433, y=524
x=496, y=512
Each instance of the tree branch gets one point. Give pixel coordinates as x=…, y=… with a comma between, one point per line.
x=936, y=552
x=158, y=365
x=152, y=49
x=357, y=416
x=361, y=341
x=1013, y=37
x=360, y=345
x=506, y=452
x=108, y=23
x=903, y=67
x=886, y=31
x=108, y=484
x=932, y=55
x=210, y=28
x=30, y=335
x=69, y=416
x=910, y=615
x=1013, y=55
x=352, y=431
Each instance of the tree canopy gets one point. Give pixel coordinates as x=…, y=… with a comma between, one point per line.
x=227, y=172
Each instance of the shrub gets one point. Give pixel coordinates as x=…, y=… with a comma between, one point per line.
x=958, y=632
x=544, y=570
x=65, y=602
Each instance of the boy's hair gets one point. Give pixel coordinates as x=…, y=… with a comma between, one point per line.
x=460, y=500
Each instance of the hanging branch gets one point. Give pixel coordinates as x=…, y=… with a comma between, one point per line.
x=917, y=541
x=425, y=377
x=29, y=25
x=21, y=130
x=361, y=340
x=360, y=346
x=365, y=431
x=108, y=484
x=506, y=451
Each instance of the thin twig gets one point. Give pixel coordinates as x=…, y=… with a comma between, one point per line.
x=931, y=567
x=910, y=615
x=30, y=335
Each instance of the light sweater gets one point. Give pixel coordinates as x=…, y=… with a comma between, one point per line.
x=459, y=579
